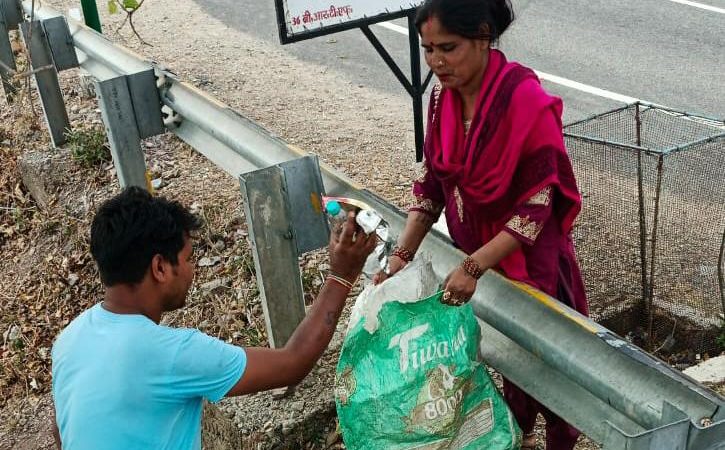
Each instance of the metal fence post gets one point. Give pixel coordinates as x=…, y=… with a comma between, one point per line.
x=721, y=273
x=283, y=205
x=275, y=252
x=90, y=14
x=118, y=115
x=12, y=12
x=61, y=43
x=9, y=19
x=46, y=78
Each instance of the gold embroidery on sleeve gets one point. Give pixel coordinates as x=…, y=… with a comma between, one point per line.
x=421, y=172
x=427, y=205
x=459, y=203
x=436, y=97
x=525, y=227
x=543, y=197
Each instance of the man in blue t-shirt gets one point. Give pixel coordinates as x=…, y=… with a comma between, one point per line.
x=122, y=381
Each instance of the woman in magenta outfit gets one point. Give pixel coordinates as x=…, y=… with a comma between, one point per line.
x=495, y=161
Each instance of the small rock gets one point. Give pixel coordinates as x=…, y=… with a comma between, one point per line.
x=268, y=426
x=195, y=208
x=298, y=406
x=287, y=426
x=215, y=284
x=209, y=262
x=150, y=144
x=72, y=279
x=169, y=174
x=11, y=334
x=281, y=393
x=332, y=438
x=44, y=173
x=34, y=384
x=157, y=183
x=219, y=245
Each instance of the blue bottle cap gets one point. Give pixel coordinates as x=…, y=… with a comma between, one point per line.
x=333, y=207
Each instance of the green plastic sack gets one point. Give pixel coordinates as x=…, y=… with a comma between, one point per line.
x=416, y=382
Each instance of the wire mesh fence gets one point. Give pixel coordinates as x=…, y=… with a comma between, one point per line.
x=651, y=235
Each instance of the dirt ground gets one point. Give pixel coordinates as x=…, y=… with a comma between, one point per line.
x=47, y=275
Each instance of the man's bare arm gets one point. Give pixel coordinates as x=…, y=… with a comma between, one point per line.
x=271, y=368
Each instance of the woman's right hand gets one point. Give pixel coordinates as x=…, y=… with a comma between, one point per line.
x=395, y=265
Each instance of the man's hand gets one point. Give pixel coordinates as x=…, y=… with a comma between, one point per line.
x=271, y=368
x=349, y=249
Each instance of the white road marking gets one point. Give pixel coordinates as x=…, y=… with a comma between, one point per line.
x=586, y=88
x=700, y=5
x=393, y=27
x=548, y=77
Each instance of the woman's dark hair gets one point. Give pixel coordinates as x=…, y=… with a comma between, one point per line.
x=473, y=19
x=132, y=227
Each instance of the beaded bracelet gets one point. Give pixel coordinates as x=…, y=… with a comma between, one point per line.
x=403, y=253
x=339, y=279
x=471, y=267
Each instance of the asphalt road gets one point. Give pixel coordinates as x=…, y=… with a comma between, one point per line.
x=655, y=50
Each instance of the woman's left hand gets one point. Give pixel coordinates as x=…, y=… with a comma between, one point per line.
x=458, y=287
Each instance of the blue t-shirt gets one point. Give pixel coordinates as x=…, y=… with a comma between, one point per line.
x=124, y=382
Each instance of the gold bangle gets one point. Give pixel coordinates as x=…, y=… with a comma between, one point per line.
x=340, y=280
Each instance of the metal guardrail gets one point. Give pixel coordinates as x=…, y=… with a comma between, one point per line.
x=613, y=391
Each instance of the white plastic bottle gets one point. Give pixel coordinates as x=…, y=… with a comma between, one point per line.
x=336, y=214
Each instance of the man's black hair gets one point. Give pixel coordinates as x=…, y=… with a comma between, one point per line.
x=131, y=228
x=472, y=19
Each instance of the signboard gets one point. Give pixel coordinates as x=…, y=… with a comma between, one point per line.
x=305, y=19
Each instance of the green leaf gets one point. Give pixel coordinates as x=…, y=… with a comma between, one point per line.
x=130, y=4
x=112, y=7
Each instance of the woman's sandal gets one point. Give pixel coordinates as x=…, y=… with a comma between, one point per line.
x=529, y=441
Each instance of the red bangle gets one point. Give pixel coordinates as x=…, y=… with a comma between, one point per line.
x=403, y=253
x=471, y=267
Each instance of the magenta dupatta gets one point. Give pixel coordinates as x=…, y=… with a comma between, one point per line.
x=513, y=150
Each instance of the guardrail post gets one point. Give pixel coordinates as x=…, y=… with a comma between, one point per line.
x=60, y=41
x=46, y=78
x=10, y=17
x=114, y=98
x=671, y=432
x=284, y=212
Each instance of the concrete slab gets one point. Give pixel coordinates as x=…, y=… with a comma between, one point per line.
x=710, y=371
